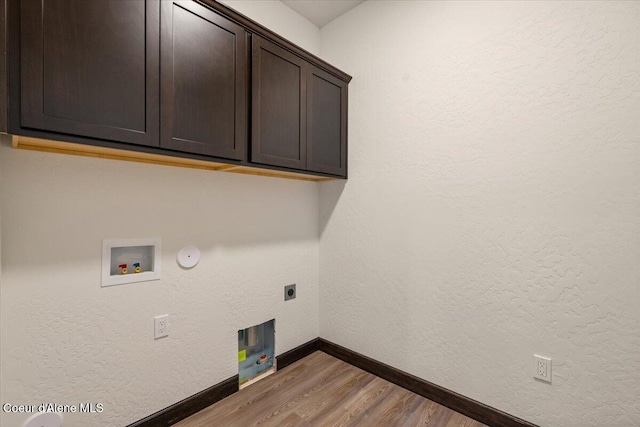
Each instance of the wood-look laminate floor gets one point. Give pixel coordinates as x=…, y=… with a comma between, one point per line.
x=321, y=390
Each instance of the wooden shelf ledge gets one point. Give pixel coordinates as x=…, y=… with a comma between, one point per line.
x=51, y=146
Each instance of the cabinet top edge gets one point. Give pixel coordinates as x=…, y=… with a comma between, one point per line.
x=259, y=29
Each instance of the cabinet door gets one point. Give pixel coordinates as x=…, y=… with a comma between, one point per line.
x=326, y=123
x=279, y=101
x=91, y=68
x=204, y=81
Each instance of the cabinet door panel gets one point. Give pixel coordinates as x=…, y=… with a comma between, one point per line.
x=204, y=81
x=91, y=68
x=327, y=123
x=278, y=106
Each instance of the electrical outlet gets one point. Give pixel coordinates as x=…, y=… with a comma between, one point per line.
x=290, y=292
x=542, y=368
x=161, y=327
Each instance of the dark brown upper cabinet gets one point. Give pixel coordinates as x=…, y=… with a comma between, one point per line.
x=147, y=79
x=326, y=123
x=278, y=106
x=299, y=112
x=204, y=81
x=91, y=68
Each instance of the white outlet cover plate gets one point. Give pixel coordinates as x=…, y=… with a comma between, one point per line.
x=536, y=373
x=157, y=328
x=188, y=257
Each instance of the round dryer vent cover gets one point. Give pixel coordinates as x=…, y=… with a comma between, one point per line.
x=188, y=257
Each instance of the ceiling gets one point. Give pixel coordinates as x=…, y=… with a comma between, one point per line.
x=321, y=12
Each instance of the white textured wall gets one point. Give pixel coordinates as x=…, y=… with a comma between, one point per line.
x=492, y=209
x=67, y=340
